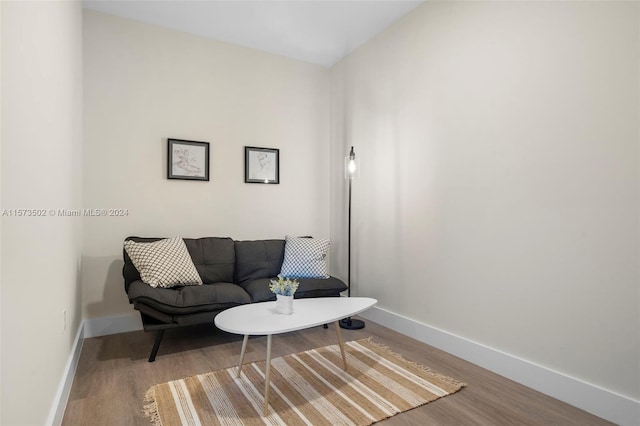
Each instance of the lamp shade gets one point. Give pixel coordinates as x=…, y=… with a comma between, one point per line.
x=351, y=165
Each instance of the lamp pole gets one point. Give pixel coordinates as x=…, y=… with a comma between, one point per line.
x=351, y=169
x=349, y=243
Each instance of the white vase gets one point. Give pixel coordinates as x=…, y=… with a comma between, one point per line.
x=284, y=304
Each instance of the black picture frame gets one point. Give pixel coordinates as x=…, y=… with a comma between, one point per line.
x=261, y=165
x=187, y=160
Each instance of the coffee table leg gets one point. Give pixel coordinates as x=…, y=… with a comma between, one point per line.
x=344, y=358
x=267, y=376
x=244, y=348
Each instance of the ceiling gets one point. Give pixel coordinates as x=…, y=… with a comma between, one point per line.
x=320, y=31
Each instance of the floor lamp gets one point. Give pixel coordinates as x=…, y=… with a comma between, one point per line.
x=351, y=170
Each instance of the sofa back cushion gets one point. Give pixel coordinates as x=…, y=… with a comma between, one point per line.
x=258, y=259
x=213, y=257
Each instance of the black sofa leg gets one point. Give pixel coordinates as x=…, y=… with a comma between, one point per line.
x=156, y=345
x=325, y=326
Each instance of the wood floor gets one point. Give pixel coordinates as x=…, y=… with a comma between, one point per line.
x=113, y=375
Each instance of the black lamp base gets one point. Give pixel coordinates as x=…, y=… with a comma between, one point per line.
x=351, y=324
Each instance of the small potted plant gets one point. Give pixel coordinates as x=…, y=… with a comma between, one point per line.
x=284, y=288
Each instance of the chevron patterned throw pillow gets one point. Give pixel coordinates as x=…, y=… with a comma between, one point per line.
x=164, y=263
x=305, y=258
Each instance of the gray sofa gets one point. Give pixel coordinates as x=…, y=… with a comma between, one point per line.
x=233, y=273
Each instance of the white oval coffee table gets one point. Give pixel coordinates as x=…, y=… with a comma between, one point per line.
x=261, y=319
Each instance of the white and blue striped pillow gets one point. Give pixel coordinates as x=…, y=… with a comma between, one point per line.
x=305, y=258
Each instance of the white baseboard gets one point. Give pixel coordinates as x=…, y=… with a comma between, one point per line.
x=93, y=327
x=104, y=326
x=594, y=399
x=56, y=413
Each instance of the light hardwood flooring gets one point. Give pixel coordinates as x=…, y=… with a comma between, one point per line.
x=113, y=375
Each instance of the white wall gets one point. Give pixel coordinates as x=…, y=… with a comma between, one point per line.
x=41, y=169
x=498, y=199
x=144, y=84
x=0, y=208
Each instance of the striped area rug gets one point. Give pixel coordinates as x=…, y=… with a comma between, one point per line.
x=307, y=388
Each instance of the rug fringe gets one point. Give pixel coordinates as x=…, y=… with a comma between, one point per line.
x=424, y=368
x=151, y=408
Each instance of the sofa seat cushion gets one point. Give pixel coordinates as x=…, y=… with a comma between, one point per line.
x=153, y=320
x=188, y=299
x=309, y=287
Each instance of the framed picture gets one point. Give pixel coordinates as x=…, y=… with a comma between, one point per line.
x=187, y=160
x=261, y=165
